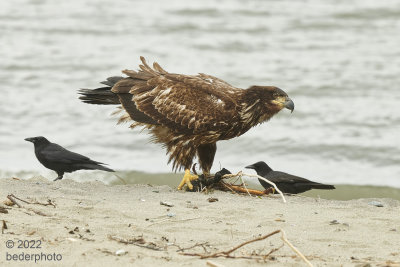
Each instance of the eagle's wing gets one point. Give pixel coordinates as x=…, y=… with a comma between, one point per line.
x=185, y=102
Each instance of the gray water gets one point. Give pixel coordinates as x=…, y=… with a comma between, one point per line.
x=338, y=60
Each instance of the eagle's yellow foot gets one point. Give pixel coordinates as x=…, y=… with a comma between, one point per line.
x=186, y=180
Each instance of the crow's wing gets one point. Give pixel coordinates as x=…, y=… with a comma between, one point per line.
x=283, y=177
x=57, y=154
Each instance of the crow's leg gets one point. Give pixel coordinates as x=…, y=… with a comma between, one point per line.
x=60, y=176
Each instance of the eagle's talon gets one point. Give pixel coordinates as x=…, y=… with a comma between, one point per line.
x=186, y=180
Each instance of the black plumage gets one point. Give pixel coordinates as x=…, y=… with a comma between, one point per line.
x=61, y=160
x=287, y=183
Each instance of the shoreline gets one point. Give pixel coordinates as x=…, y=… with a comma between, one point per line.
x=91, y=222
x=342, y=191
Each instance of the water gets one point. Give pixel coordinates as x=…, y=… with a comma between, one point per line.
x=338, y=60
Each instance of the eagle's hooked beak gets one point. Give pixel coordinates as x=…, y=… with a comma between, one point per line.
x=289, y=105
x=29, y=139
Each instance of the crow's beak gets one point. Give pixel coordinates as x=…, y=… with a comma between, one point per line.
x=250, y=167
x=289, y=104
x=29, y=139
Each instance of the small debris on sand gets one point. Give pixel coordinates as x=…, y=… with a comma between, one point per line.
x=375, y=203
x=120, y=252
x=212, y=199
x=168, y=204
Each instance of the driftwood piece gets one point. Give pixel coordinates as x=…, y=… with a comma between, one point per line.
x=3, y=226
x=139, y=241
x=217, y=182
x=49, y=202
x=13, y=198
x=227, y=253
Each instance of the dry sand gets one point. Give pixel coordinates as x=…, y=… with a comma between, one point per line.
x=88, y=214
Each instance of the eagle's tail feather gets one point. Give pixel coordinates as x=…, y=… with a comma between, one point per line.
x=103, y=95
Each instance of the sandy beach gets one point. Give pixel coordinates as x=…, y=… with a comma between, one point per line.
x=93, y=224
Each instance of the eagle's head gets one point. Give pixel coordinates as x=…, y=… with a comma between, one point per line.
x=275, y=98
x=260, y=103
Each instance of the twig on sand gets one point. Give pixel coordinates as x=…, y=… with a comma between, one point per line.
x=214, y=264
x=227, y=253
x=3, y=209
x=240, y=174
x=283, y=237
x=139, y=241
x=228, y=187
x=49, y=202
x=10, y=197
x=38, y=212
x=268, y=181
x=272, y=251
x=235, y=189
x=3, y=226
x=196, y=245
x=120, y=178
x=167, y=219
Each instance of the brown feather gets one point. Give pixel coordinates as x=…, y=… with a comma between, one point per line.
x=188, y=114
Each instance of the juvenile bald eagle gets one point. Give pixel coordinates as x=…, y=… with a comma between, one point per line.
x=188, y=114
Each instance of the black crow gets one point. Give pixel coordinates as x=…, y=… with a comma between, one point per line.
x=61, y=160
x=287, y=183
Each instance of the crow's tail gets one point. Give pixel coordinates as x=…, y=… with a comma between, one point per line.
x=322, y=186
x=102, y=168
x=103, y=95
x=95, y=166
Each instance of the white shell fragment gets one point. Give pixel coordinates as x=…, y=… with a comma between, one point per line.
x=120, y=252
